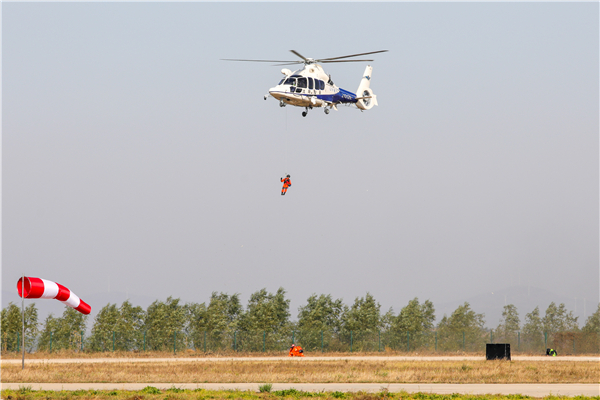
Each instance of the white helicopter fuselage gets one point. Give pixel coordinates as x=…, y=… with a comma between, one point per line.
x=311, y=87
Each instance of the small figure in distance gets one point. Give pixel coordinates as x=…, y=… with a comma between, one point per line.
x=286, y=184
x=296, y=351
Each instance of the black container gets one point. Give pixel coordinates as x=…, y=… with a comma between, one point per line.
x=497, y=351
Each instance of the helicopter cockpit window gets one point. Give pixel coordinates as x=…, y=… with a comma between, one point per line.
x=281, y=81
x=302, y=83
x=310, y=83
x=290, y=81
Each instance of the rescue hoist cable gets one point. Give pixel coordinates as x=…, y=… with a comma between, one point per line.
x=286, y=143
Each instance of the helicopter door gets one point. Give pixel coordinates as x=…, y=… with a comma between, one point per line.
x=302, y=85
x=292, y=83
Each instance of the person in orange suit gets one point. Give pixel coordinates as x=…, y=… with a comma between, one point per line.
x=286, y=184
x=296, y=351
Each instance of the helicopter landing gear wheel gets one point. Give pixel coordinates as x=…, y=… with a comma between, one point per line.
x=304, y=113
x=281, y=103
x=327, y=111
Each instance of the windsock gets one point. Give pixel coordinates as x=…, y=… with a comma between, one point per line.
x=36, y=288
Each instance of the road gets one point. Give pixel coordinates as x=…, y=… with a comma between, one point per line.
x=308, y=358
x=534, y=390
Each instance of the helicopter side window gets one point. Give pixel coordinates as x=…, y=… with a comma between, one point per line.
x=302, y=83
x=290, y=81
x=320, y=84
x=310, y=83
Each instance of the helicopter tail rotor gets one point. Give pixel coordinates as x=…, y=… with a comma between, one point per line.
x=365, y=97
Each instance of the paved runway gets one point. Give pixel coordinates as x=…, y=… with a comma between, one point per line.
x=534, y=390
x=308, y=358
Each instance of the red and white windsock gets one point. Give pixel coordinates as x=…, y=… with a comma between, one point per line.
x=36, y=288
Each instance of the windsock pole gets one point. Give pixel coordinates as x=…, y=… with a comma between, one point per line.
x=23, y=322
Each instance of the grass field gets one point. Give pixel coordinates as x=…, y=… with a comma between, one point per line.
x=307, y=371
x=151, y=393
x=62, y=354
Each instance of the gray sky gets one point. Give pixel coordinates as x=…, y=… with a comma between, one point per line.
x=133, y=157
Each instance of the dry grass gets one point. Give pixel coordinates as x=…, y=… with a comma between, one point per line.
x=189, y=353
x=307, y=371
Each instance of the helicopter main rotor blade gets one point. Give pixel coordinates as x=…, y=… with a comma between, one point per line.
x=353, y=55
x=338, y=61
x=290, y=63
x=235, y=59
x=299, y=55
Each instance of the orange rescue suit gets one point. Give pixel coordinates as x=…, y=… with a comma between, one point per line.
x=286, y=184
x=296, y=351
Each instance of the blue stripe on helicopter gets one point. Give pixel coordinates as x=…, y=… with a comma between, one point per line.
x=343, y=96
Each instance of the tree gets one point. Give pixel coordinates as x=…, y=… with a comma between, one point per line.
x=591, y=333
x=463, y=328
x=130, y=326
x=414, y=323
x=509, y=324
x=266, y=312
x=103, y=329
x=533, y=335
x=592, y=324
x=557, y=319
x=215, y=323
x=12, y=327
x=46, y=341
x=319, y=322
x=363, y=315
x=162, y=322
x=119, y=326
x=265, y=324
x=65, y=332
x=321, y=313
x=223, y=313
x=361, y=324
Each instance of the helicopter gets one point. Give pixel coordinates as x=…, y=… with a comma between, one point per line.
x=311, y=87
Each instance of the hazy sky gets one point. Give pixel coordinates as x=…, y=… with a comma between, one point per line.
x=133, y=157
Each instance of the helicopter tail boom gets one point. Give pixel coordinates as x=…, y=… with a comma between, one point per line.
x=366, y=98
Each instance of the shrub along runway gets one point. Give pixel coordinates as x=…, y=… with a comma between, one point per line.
x=533, y=390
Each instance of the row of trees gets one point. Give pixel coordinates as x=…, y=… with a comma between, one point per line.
x=264, y=324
